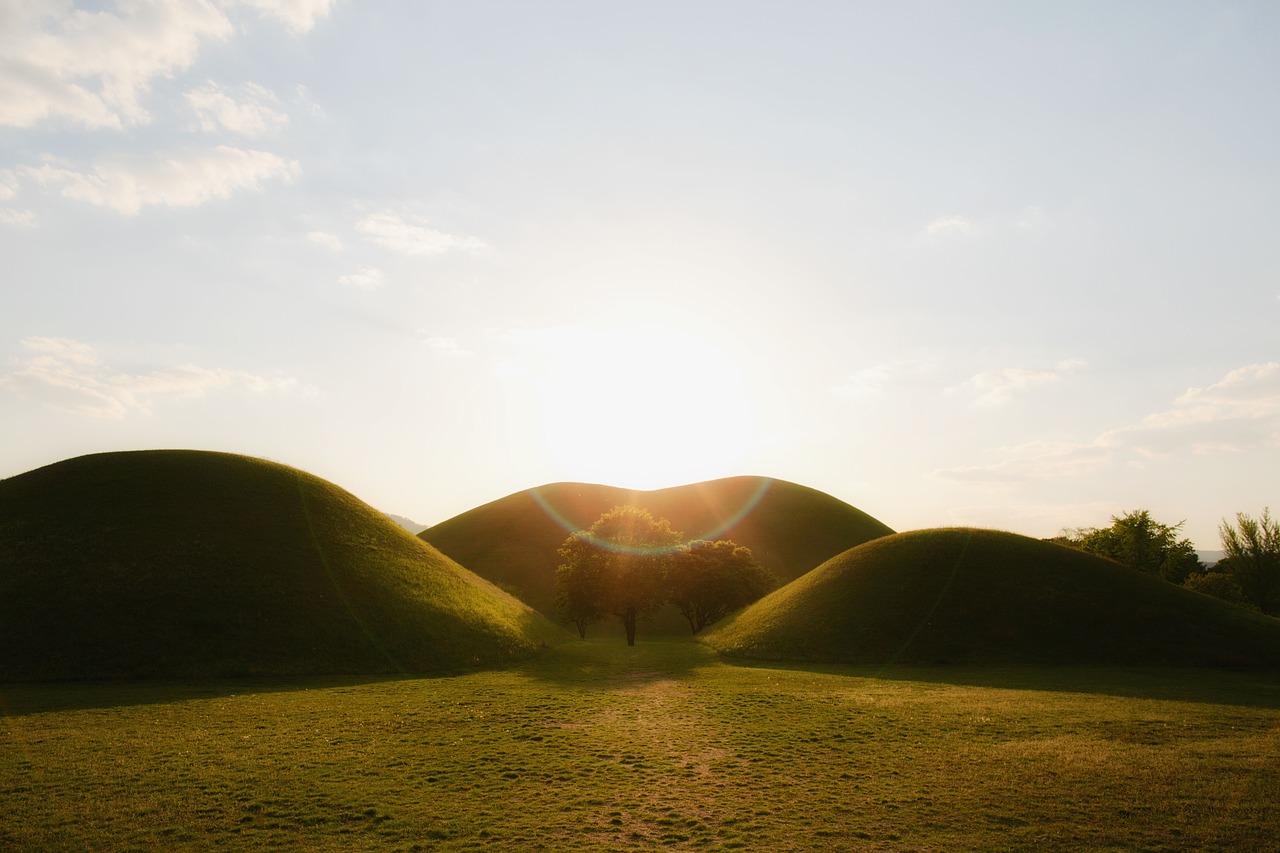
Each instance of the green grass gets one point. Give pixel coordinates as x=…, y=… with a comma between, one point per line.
x=981, y=597
x=789, y=528
x=193, y=564
x=596, y=746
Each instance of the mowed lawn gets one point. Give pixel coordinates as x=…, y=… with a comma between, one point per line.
x=600, y=746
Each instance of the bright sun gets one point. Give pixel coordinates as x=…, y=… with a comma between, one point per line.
x=640, y=407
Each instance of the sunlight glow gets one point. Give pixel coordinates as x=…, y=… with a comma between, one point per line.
x=639, y=407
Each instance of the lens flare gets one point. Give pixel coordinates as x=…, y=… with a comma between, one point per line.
x=723, y=524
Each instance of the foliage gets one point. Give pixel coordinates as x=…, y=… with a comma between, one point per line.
x=708, y=580
x=1253, y=558
x=618, y=565
x=1136, y=540
x=1216, y=584
x=580, y=591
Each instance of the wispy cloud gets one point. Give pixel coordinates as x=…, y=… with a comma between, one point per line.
x=92, y=68
x=179, y=179
x=297, y=15
x=365, y=278
x=954, y=226
x=863, y=384
x=69, y=375
x=448, y=347
x=1000, y=387
x=17, y=218
x=412, y=236
x=949, y=225
x=868, y=382
x=252, y=114
x=1239, y=412
x=332, y=242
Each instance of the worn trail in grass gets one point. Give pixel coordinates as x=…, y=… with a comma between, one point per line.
x=596, y=745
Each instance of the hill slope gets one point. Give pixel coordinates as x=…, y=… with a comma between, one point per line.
x=513, y=541
x=187, y=563
x=981, y=596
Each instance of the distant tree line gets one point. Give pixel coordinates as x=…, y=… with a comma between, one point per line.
x=1248, y=574
x=628, y=564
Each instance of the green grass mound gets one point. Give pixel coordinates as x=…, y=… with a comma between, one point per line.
x=789, y=528
x=986, y=597
x=196, y=564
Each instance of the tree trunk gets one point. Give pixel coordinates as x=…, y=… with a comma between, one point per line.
x=629, y=622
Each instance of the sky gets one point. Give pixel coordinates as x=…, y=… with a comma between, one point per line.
x=1003, y=264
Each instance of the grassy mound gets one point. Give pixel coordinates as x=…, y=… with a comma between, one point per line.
x=984, y=597
x=193, y=564
x=789, y=528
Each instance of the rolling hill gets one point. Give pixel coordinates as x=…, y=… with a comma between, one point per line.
x=195, y=564
x=513, y=541
x=985, y=597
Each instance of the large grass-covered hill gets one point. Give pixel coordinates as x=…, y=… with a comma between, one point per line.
x=513, y=541
x=193, y=564
x=971, y=596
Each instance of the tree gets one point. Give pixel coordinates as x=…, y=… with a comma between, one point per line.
x=580, y=584
x=618, y=565
x=708, y=580
x=1140, y=542
x=1216, y=584
x=1253, y=558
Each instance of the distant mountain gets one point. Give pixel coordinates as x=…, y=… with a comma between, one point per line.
x=1210, y=557
x=407, y=523
x=513, y=541
x=968, y=596
x=194, y=564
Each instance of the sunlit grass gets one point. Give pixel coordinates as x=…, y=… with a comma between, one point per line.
x=597, y=746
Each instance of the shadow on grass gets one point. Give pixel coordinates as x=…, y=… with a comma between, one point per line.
x=1251, y=688
x=597, y=664
x=21, y=698
x=608, y=663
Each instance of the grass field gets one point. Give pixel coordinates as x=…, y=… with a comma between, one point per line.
x=595, y=745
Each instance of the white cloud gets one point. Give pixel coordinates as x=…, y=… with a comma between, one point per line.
x=863, y=384
x=252, y=115
x=366, y=278
x=868, y=382
x=997, y=388
x=949, y=225
x=332, y=242
x=302, y=98
x=1034, y=461
x=17, y=218
x=415, y=237
x=181, y=179
x=1029, y=220
x=298, y=15
x=91, y=68
x=69, y=376
x=8, y=185
x=1240, y=412
x=448, y=348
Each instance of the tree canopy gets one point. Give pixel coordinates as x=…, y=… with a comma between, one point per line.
x=1136, y=540
x=707, y=580
x=1253, y=558
x=616, y=566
